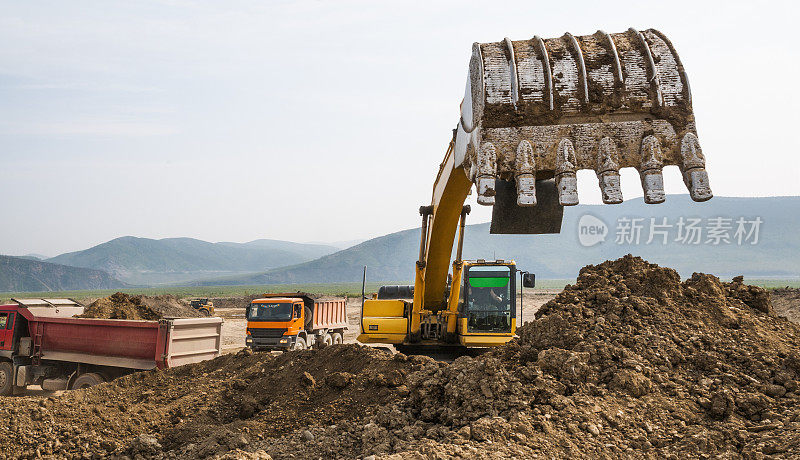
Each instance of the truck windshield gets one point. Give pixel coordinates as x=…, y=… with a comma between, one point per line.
x=269, y=312
x=489, y=299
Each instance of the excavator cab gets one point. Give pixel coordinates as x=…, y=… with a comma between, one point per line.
x=487, y=308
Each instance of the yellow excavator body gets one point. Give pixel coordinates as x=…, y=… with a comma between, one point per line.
x=535, y=112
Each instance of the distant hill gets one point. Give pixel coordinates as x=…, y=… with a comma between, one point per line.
x=309, y=250
x=149, y=261
x=19, y=274
x=343, y=244
x=33, y=257
x=560, y=256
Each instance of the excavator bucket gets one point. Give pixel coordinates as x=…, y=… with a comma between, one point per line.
x=536, y=111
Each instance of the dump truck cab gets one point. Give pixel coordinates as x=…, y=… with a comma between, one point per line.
x=294, y=322
x=275, y=322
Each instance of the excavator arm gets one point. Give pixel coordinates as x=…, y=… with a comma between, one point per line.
x=439, y=224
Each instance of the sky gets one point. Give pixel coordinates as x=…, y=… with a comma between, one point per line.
x=322, y=121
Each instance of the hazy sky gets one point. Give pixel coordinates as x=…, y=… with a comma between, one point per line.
x=322, y=121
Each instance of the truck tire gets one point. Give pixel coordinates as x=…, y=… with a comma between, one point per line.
x=300, y=344
x=205, y=312
x=87, y=380
x=327, y=340
x=337, y=339
x=6, y=378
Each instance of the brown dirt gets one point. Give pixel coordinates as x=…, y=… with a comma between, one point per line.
x=629, y=362
x=203, y=409
x=124, y=306
x=787, y=303
x=169, y=306
x=234, y=302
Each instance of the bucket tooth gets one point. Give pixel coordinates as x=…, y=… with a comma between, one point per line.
x=525, y=175
x=693, y=168
x=486, y=172
x=486, y=190
x=650, y=170
x=566, y=180
x=608, y=171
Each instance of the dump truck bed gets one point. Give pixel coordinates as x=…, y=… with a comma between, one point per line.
x=124, y=343
x=330, y=314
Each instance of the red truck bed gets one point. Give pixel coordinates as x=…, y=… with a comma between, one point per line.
x=125, y=343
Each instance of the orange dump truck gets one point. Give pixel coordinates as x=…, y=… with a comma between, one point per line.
x=295, y=321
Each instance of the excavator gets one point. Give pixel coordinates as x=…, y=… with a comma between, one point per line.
x=534, y=113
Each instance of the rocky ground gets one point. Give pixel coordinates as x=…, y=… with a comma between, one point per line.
x=628, y=362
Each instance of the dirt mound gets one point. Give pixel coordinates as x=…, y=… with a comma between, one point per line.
x=119, y=306
x=169, y=306
x=628, y=362
x=787, y=302
x=124, y=306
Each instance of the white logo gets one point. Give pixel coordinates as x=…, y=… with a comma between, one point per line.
x=591, y=230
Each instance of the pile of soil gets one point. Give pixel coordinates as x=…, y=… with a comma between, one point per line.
x=629, y=361
x=124, y=306
x=119, y=306
x=787, y=302
x=169, y=306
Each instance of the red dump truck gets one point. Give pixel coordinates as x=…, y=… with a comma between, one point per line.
x=41, y=343
x=295, y=321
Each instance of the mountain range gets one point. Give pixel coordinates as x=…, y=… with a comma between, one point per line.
x=146, y=261
x=560, y=256
x=756, y=237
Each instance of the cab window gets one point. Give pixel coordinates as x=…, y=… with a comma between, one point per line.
x=489, y=298
x=269, y=312
x=3, y=320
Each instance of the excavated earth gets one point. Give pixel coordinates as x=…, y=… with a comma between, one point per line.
x=124, y=306
x=628, y=362
x=787, y=302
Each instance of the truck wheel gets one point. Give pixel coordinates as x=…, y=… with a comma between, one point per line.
x=337, y=338
x=205, y=312
x=300, y=344
x=87, y=380
x=6, y=378
x=327, y=340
